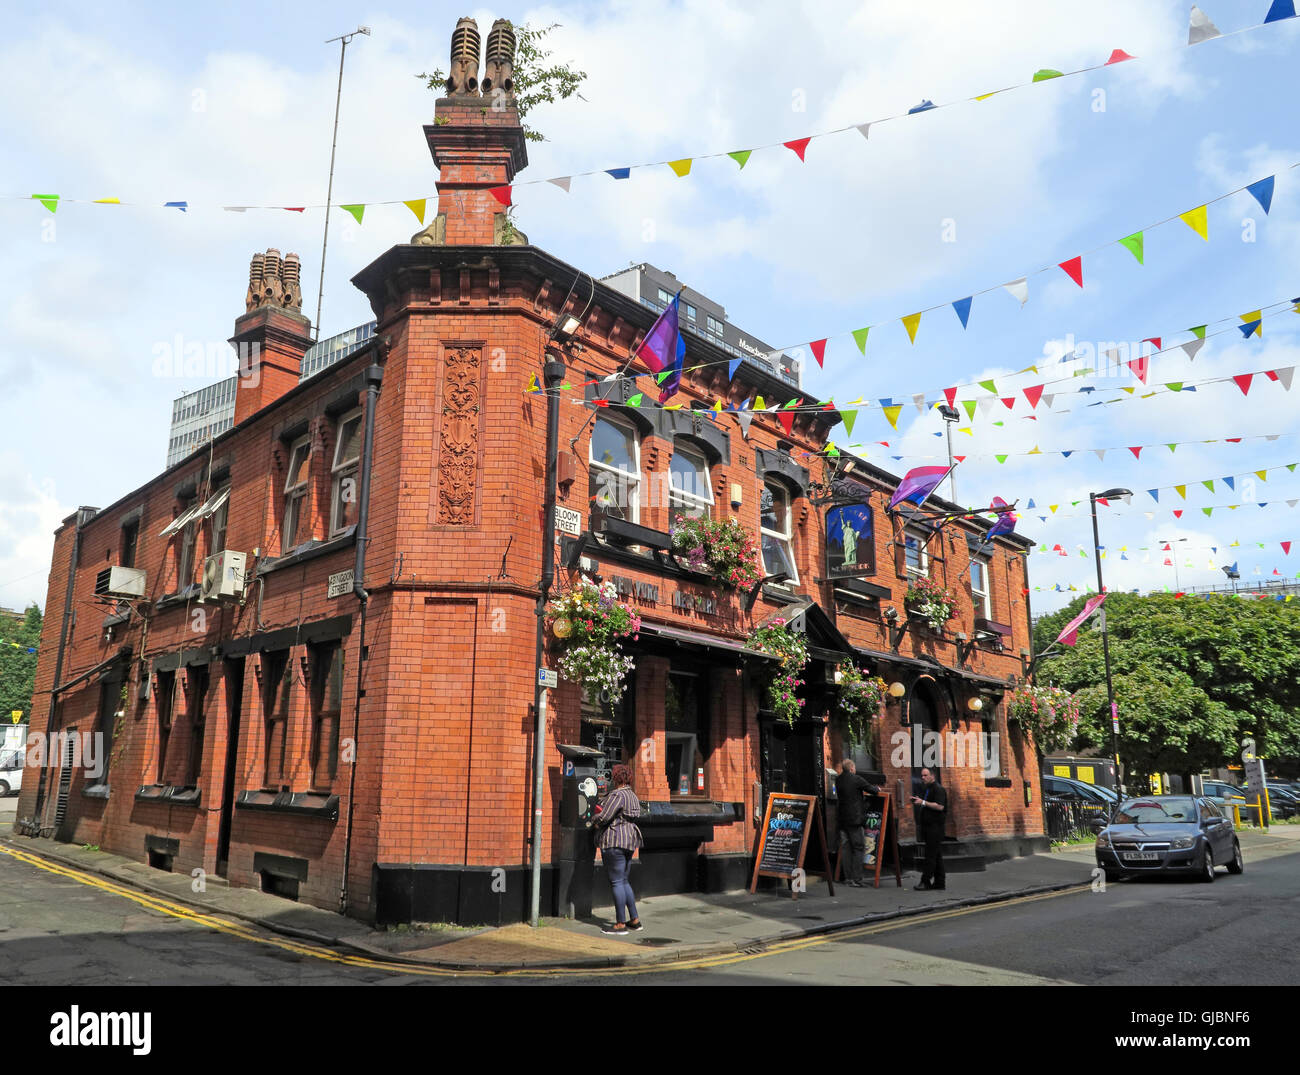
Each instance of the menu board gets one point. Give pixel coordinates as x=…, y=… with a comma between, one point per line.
x=783, y=840
x=880, y=834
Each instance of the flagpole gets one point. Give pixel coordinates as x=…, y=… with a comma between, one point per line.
x=334, y=145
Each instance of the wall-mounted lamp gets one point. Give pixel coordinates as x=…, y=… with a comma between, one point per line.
x=839, y=676
x=891, y=614
x=897, y=690
x=567, y=328
x=975, y=704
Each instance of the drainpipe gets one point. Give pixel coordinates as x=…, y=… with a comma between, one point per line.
x=374, y=375
x=554, y=375
x=84, y=515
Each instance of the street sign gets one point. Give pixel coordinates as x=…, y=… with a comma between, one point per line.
x=568, y=521
x=547, y=677
x=339, y=584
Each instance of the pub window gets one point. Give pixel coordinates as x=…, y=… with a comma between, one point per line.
x=850, y=541
x=608, y=727
x=686, y=735
x=615, y=473
x=293, y=528
x=916, y=561
x=347, y=461
x=326, y=706
x=777, y=531
x=166, y=697
x=979, y=588
x=196, y=692
x=689, y=492
x=277, y=687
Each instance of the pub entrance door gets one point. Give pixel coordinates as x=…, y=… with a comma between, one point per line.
x=791, y=757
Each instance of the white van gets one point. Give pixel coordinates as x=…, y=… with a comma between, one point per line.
x=11, y=771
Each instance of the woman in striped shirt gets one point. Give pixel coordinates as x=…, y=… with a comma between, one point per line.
x=618, y=838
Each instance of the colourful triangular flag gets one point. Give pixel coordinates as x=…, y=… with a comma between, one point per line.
x=911, y=322
x=561, y=181
x=1118, y=56
x=1242, y=381
x=681, y=167
x=962, y=306
x=1019, y=289
x=1197, y=220
x=1262, y=191
x=358, y=211
x=1134, y=245
x=618, y=173
x=1200, y=28
x=417, y=205
x=50, y=201
x=1074, y=269
x=501, y=194
x=892, y=412
x=848, y=418
x=1043, y=74
x=1280, y=9
x=741, y=156
x=1252, y=323
x=860, y=338
x=798, y=146
x=818, y=348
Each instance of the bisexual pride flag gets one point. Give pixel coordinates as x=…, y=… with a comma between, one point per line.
x=663, y=347
x=1006, y=521
x=917, y=484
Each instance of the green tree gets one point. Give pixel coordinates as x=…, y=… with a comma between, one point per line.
x=1192, y=677
x=17, y=666
x=537, y=80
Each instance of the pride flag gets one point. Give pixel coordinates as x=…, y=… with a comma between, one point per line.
x=1070, y=635
x=917, y=484
x=663, y=347
x=1006, y=521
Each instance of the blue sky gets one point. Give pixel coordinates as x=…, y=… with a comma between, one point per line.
x=235, y=105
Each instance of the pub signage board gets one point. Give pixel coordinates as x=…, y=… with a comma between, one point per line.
x=788, y=822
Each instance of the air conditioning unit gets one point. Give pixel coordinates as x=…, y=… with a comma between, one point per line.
x=223, y=575
x=120, y=582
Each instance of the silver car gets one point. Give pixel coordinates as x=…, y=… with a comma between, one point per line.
x=1168, y=834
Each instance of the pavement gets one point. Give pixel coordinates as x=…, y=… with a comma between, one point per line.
x=677, y=927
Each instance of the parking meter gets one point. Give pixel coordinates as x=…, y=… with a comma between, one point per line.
x=576, y=859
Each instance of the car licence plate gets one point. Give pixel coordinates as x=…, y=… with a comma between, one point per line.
x=1141, y=856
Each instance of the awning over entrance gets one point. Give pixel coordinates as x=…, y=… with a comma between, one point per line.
x=678, y=636
x=935, y=668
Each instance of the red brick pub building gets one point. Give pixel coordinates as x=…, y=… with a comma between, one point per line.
x=362, y=739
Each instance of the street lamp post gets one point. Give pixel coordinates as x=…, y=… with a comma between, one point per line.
x=1109, y=494
x=950, y=416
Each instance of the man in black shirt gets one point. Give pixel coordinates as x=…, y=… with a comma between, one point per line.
x=933, y=804
x=852, y=814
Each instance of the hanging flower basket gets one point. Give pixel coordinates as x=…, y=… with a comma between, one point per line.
x=930, y=602
x=791, y=649
x=720, y=548
x=858, y=700
x=1050, y=715
x=589, y=621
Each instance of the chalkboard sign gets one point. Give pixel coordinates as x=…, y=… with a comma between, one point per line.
x=880, y=834
x=788, y=822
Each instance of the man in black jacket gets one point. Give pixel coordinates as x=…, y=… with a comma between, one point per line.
x=933, y=806
x=852, y=813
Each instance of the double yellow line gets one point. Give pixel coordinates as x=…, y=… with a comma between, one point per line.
x=311, y=951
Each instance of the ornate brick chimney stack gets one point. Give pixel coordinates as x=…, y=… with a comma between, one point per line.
x=477, y=142
x=272, y=335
